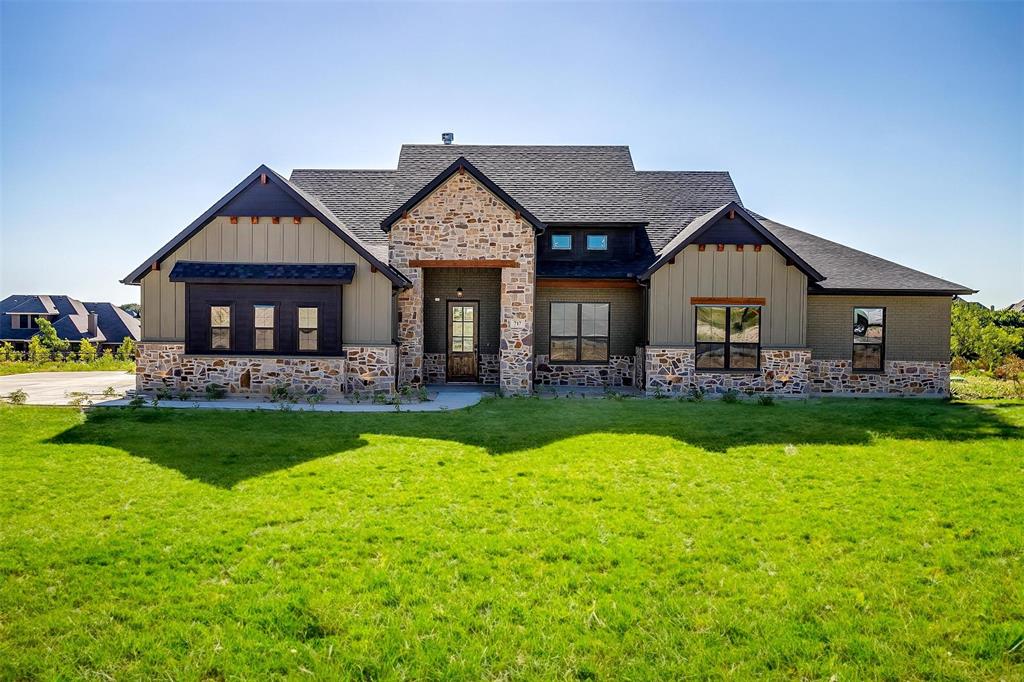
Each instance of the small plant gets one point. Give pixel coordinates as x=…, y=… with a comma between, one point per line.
x=422, y=394
x=314, y=398
x=183, y=395
x=136, y=402
x=658, y=393
x=731, y=396
x=164, y=393
x=766, y=400
x=696, y=394
x=215, y=392
x=109, y=392
x=380, y=399
x=79, y=399
x=17, y=397
x=281, y=394
x=155, y=400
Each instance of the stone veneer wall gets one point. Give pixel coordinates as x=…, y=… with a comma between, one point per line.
x=618, y=372
x=165, y=365
x=901, y=377
x=793, y=372
x=672, y=371
x=462, y=220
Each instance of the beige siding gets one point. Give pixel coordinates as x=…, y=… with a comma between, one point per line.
x=916, y=327
x=729, y=273
x=366, y=303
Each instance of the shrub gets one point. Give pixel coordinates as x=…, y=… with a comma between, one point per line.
x=766, y=399
x=109, y=392
x=48, y=336
x=108, y=355
x=281, y=394
x=37, y=351
x=696, y=394
x=215, y=392
x=1011, y=369
x=313, y=398
x=959, y=365
x=136, y=402
x=731, y=396
x=126, y=351
x=18, y=397
x=86, y=351
x=7, y=352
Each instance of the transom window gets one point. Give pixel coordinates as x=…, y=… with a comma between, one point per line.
x=220, y=327
x=728, y=337
x=868, y=338
x=309, y=327
x=597, y=242
x=561, y=242
x=263, y=320
x=579, y=332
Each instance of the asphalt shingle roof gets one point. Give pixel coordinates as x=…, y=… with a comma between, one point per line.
x=581, y=184
x=70, y=318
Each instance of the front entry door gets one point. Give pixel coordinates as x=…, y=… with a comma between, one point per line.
x=463, y=320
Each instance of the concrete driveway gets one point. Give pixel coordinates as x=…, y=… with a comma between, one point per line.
x=55, y=388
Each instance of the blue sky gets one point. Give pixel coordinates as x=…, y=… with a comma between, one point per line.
x=894, y=128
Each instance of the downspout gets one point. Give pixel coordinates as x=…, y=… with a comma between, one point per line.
x=395, y=291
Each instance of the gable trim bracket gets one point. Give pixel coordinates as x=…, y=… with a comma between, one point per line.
x=153, y=262
x=461, y=165
x=792, y=258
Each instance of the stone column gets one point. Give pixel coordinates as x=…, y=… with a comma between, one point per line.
x=516, y=347
x=410, y=331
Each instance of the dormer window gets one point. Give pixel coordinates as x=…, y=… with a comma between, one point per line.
x=597, y=242
x=561, y=242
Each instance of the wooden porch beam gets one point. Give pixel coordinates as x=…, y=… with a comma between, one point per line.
x=726, y=300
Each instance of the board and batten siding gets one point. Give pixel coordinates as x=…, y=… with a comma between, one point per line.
x=732, y=273
x=366, y=302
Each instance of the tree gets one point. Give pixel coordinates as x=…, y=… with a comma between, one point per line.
x=980, y=334
x=7, y=352
x=48, y=336
x=133, y=309
x=126, y=351
x=86, y=351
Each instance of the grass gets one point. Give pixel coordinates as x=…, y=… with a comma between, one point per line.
x=537, y=539
x=978, y=386
x=98, y=365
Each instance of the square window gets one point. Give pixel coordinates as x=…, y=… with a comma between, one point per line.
x=728, y=337
x=561, y=242
x=597, y=242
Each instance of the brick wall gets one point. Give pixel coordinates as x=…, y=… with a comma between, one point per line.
x=478, y=284
x=916, y=327
x=626, y=311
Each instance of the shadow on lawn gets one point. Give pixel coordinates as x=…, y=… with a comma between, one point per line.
x=224, y=447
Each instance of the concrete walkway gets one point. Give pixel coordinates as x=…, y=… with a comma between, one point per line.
x=55, y=388
x=441, y=399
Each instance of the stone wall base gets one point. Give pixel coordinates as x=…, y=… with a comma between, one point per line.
x=619, y=371
x=165, y=365
x=792, y=372
x=837, y=377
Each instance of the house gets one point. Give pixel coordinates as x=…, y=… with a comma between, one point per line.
x=526, y=266
x=103, y=324
x=1017, y=307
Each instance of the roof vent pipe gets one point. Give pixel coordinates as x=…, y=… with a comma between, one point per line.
x=447, y=138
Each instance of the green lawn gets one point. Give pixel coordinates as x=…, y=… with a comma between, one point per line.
x=98, y=365
x=541, y=539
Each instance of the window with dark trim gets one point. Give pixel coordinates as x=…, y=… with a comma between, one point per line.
x=263, y=324
x=728, y=337
x=309, y=325
x=579, y=332
x=868, y=338
x=597, y=242
x=220, y=327
x=561, y=242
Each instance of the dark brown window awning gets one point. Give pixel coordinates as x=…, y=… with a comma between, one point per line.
x=262, y=273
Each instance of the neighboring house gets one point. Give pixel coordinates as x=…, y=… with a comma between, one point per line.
x=1017, y=307
x=103, y=324
x=523, y=266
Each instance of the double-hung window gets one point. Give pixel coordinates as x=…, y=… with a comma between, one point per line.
x=579, y=332
x=309, y=327
x=868, y=338
x=728, y=337
x=263, y=320
x=220, y=327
